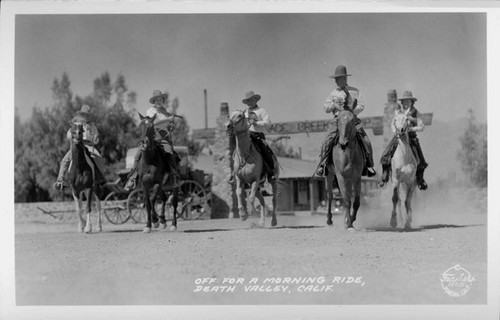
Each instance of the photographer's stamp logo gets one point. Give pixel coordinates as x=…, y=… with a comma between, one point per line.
x=456, y=281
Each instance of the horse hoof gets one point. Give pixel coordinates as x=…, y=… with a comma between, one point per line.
x=156, y=225
x=274, y=222
x=351, y=229
x=407, y=226
x=173, y=228
x=329, y=222
x=146, y=230
x=163, y=225
x=244, y=217
x=394, y=222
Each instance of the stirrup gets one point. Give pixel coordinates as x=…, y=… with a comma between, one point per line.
x=370, y=172
x=320, y=171
x=422, y=185
x=130, y=185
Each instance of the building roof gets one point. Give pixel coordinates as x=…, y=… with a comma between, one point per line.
x=290, y=168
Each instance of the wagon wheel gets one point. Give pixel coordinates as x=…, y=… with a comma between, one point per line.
x=115, y=208
x=136, y=207
x=192, y=200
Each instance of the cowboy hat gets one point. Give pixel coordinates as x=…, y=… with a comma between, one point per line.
x=340, y=71
x=156, y=94
x=408, y=95
x=249, y=95
x=83, y=115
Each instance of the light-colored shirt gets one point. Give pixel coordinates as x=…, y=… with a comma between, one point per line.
x=263, y=122
x=163, y=120
x=336, y=99
x=416, y=122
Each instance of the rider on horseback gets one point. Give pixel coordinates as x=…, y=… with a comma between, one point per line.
x=90, y=139
x=416, y=125
x=345, y=97
x=163, y=125
x=259, y=121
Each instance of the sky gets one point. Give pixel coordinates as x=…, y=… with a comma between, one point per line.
x=285, y=57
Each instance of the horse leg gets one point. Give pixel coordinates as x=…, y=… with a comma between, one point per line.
x=152, y=199
x=329, y=192
x=408, y=207
x=274, y=221
x=78, y=207
x=147, y=201
x=262, y=202
x=395, y=200
x=357, y=201
x=163, y=197
x=175, y=201
x=242, y=211
x=88, y=224
x=347, y=201
x=98, y=208
x=251, y=199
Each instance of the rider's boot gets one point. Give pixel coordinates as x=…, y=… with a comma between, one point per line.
x=131, y=182
x=232, y=180
x=62, y=171
x=385, y=175
x=422, y=185
x=321, y=169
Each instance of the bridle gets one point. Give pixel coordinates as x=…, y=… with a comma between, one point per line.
x=148, y=140
x=232, y=124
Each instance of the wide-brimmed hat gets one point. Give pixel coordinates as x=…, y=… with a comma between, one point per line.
x=156, y=94
x=249, y=95
x=408, y=95
x=83, y=115
x=340, y=71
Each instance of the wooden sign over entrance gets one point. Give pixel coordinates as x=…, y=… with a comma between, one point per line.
x=306, y=126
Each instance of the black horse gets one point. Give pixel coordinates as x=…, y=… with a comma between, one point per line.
x=81, y=179
x=152, y=169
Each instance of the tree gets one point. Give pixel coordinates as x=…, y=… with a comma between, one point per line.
x=41, y=143
x=473, y=155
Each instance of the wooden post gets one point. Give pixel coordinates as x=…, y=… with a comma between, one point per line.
x=390, y=107
x=206, y=108
x=311, y=194
x=222, y=192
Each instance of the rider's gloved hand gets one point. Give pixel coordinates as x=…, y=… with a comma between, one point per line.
x=58, y=185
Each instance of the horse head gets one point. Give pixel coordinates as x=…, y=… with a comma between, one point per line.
x=147, y=130
x=400, y=123
x=346, y=127
x=77, y=131
x=236, y=123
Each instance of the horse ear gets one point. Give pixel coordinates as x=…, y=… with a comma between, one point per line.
x=140, y=116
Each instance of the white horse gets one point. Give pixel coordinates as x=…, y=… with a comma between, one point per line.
x=248, y=168
x=403, y=167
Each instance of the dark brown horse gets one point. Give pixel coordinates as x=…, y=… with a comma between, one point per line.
x=347, y=166
x=81, y=179
x=152, y=168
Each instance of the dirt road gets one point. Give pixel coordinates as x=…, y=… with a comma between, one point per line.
x=227, y=261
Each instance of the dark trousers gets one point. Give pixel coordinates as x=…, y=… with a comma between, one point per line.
x=259, y=140
x=331, y=139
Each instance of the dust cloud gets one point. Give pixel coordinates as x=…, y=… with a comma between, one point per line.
x=438, y=205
